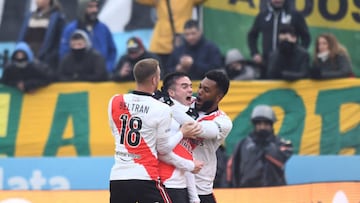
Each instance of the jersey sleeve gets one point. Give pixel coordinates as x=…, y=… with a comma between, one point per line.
x=111, y=121
x=177, y=161
x=179, y=113
x=218, y=128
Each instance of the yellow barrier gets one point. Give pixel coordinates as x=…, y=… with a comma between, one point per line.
x=70, y=119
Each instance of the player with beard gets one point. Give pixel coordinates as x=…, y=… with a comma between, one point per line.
x=141, y=129
x=215, y=124
x=211, y=91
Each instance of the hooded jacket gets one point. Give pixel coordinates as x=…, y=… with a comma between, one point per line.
x=251, y=166
x=100, y=36
x=267, y=24
x=89, y=67
x=33, y=75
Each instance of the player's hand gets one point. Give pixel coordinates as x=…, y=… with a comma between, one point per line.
x=191, y=129
x=198, y=166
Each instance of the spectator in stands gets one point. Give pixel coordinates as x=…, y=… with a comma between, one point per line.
x=163, y=36
x=237, y=68
x=42, y=31
x=24, y=72
x=331, y=59
x=99, y=33
x=82, y=63
x=290, y=61
x=136, y=51
x=197, y=55
x=258, y=159
x=267, y=22
x=220, y=176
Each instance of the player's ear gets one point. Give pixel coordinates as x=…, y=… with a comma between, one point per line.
x=154, y=80
x=219, y=97
x=171, y=92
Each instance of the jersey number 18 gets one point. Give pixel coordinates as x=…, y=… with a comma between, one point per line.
x=130, y=130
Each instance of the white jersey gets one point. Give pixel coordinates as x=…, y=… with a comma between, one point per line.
x=174, y=164
x=218, y=126
x=140, y=125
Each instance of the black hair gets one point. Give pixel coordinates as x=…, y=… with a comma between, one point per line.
x=287, y=29
x=221, y=79
x=191, y=24
x=170, y=79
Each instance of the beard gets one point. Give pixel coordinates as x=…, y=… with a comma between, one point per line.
x=205, y=106
x=92, y=17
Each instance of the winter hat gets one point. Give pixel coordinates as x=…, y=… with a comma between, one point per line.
x=233, y=55
x=134, y=44
x=82, y=34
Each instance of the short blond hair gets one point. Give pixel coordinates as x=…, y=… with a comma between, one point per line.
x=144, y=69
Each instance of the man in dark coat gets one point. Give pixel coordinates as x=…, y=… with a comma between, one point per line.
x=197, y=55
x=258, y=160
x=24, y=72
x=267, y=23
x=98, y=32
x=135, y=52
x=290, y=61
x=82, y=63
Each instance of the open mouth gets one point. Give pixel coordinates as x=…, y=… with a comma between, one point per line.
x=188, y=98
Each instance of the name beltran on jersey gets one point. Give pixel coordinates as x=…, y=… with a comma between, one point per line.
x=134, y=107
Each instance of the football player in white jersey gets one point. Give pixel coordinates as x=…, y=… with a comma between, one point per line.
x=176, y=168
x=212, y=90
x=141, y=128
x=215, y=124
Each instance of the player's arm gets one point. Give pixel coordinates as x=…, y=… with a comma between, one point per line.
x=210, y=129
x=190, y=184
x=217, y=128
x=111, y=121
x=179, y=113
x=165, y=140
x=177, y=161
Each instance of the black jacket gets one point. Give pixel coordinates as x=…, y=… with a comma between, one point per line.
x=290, y=66
x=206, y=55
x=267, y=24
x=90, y=68
x=251, y=165
x=126, y=59
x=34, y=76
x=339, y=67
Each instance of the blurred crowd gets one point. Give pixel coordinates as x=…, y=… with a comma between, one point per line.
x=51, y=50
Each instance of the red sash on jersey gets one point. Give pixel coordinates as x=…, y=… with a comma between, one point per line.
x=198, y=141
x=146, y=157
x=183, y=149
